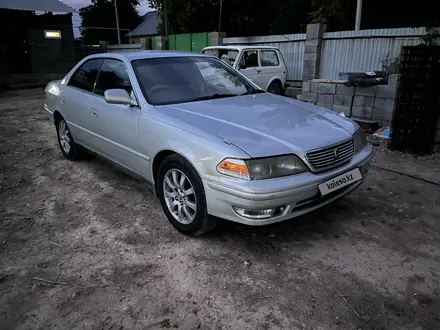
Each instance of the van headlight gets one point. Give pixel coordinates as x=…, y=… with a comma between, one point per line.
x=262, y=168
x=360, y=141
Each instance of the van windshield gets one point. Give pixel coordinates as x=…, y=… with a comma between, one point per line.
x=219, y=52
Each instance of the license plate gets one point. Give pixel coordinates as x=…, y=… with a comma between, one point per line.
x=340, y=181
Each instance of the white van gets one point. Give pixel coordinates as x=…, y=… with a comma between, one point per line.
x=264, y=65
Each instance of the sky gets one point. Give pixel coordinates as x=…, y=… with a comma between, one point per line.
x=77, y=4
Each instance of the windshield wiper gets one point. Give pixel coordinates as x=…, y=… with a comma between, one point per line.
x=212, y=97
x=254, y=91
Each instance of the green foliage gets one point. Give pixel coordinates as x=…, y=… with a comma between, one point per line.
x=431, y=36
x=101, y=13
x=390, y=65
x=238, y=18
x=253, y=17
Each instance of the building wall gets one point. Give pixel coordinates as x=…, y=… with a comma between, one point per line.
x=24, y=48
x=51, y=55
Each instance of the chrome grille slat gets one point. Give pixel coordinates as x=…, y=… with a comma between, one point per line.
x=329, y=152
x=331, y=156
x=330, y=161
x=325, y=158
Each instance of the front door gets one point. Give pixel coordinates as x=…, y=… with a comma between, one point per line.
x=116, y=136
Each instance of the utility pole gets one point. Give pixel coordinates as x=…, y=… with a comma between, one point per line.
x=117, y=22
x=165, y=18
x=220, y=17
x=357, y=25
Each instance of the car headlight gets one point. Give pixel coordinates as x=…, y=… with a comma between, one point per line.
x=360, y=141
x=262, y=168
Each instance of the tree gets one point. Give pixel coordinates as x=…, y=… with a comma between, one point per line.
x=247, y=17
x=339, y=15
x=101, y=13
x=252, y=17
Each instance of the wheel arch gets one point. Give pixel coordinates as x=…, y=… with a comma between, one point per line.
x=57, y=116
x=277, y=80
x=161, y=156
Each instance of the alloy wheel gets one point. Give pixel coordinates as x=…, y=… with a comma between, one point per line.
x=179, y=196
x=64, y=136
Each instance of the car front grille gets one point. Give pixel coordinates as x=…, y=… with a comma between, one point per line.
x=331, y=156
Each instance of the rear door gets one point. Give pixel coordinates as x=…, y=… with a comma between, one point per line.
x=271, y=66
x=75, y=102
x=116, y=136
x=249, y=66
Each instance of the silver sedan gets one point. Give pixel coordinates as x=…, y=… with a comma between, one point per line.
x=208, y=140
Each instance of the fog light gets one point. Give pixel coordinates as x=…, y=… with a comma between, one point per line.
x=254, y=214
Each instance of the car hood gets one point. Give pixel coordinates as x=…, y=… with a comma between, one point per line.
x=264, y=124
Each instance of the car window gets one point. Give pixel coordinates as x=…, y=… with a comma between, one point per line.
x=186, y=79
x=113, y=74
x=269, y=58
x=84, y=78
x=250, y=58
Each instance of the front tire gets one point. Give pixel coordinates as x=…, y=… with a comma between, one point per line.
x=67, y=145
x=182, y=196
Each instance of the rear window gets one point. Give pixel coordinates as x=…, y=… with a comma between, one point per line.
x=269, y=58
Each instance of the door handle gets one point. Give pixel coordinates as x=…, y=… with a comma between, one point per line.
x=94, y=113
x=258, y=70
x=63, y=100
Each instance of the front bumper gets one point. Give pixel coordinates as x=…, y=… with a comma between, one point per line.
x=298, y=193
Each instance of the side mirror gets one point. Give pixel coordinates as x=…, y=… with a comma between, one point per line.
x=242, y=66
x=118, y=96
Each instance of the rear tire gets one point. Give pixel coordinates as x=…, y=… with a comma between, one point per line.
x=182, y=196
x=275, y=88
x=68, y=147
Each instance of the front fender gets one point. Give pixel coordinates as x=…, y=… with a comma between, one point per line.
x=203, y=150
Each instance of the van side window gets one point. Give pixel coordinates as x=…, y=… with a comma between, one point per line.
x=251, y=58
x=84, y=78
x=269, y=58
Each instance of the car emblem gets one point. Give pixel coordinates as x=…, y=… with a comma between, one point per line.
x=336, y=153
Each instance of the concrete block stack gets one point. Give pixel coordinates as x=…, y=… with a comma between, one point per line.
x=370, y=102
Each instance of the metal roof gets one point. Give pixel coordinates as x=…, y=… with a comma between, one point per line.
x=148, y=27
x=36, y=5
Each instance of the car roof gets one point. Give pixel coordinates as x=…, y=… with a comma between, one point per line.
x=239, y=47
x=144, y=54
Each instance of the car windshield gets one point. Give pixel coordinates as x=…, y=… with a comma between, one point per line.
x=171, y=80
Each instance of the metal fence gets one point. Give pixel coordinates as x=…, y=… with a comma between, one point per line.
x=342, y=51
x=354, y=51
x=291, y=46
x=124, y=48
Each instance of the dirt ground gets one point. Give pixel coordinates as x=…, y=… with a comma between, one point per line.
x=371, y=261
